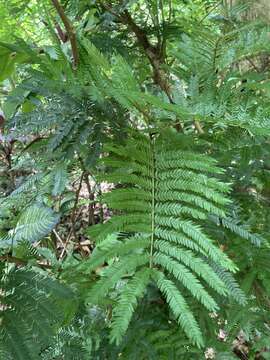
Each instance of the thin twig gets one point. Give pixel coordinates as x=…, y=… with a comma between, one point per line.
x=73, y=215
x=91, y=208
x=74, y=218
x=91, y=219
x=58, y=237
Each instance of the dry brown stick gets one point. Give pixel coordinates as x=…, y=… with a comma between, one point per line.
x=73, y=215
x=74, y=218
x=91, y=208
x=58, y=238
x=70, y=32
x=91, y=219
x=69, y=236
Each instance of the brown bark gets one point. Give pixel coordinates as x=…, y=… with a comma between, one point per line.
x=70, y=32
x=155, y=54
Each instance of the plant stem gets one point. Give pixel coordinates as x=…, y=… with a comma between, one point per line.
x=152, y=149
x=70, y=32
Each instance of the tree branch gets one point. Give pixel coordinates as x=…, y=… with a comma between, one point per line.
x=70, y=32
x=155, y=54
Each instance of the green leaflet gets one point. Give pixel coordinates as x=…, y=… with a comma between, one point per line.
x=41, y=303
x=162, y=197
x=34, y=223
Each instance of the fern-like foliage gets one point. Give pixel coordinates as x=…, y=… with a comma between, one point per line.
x=165, y=195
x=150, y=336
x=33, y=224
x=33, y=307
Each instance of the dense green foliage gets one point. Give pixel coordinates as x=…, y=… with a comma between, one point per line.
x=134, y=180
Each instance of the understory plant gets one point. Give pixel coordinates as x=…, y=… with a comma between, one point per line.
x=134, y=180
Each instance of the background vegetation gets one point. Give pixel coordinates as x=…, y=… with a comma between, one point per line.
x=134, y=179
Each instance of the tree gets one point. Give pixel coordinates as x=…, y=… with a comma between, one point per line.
x=134, y=188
